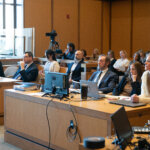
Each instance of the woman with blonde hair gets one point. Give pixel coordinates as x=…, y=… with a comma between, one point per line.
x=121, y=64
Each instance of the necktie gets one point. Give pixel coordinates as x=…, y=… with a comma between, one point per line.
x=18, y=76
x=98, y=76
x=99, y=80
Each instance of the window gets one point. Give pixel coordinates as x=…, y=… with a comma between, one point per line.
x=11, y=19
x=11, y=14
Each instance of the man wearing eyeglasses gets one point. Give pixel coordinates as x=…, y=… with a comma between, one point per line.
x=27, y=70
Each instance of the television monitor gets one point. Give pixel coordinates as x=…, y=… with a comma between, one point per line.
x=56, y=83
x=122, y=127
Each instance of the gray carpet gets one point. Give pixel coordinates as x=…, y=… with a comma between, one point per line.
x=3, y=145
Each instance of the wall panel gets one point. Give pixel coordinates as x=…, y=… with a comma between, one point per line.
x=38, y=14
x=106, y=27
x=65, y=21
x=141, y=25
x=90, y=25
x=121, y=26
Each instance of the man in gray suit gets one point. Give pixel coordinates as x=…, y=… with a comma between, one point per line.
x=106, y=79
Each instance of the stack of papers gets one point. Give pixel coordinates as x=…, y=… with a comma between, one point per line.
x=26, y=86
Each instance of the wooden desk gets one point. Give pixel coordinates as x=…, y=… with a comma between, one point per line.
x=27, y=127
x=5, y=83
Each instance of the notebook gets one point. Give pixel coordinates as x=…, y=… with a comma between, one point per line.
x=127, y=103
x=92, y=89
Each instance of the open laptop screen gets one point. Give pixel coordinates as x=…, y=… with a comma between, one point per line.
x=92, y=89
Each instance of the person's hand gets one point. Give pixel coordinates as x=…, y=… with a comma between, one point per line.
x=135, y=98
x=66, y=51
x=70, y=81
x=22, y=64
x=41, y=73
x=134, y=77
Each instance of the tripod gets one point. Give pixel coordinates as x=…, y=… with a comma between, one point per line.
x=53, y=45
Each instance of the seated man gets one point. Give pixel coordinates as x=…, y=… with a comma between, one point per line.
x=75, y=69
x=27, y=70
x=145, y=87
x=106, y=79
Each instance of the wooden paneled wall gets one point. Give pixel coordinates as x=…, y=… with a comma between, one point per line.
x=130, y=25
x=65, y=21
x=102, y=24
x=37, y=14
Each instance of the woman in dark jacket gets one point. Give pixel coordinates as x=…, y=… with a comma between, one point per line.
x=130, y=83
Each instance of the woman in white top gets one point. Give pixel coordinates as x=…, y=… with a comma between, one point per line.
x=145, y=90
x=51, y=65
x=145, y=87
x=121, y=64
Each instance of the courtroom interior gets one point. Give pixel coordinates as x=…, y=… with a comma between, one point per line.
x=74, y=74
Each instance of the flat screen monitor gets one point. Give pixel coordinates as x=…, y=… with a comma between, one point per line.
x=122, y=127
x=56, y=83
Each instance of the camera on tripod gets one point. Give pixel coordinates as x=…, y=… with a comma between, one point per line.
x=52, y=35
x=53, y=44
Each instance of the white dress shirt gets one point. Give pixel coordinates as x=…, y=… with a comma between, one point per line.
x=73, y=67
x=100, y=76
x=145, y=95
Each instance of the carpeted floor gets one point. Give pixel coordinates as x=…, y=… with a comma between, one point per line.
x=3, y=145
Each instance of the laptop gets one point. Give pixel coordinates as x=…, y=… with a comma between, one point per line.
x=122, y=128
x=92, y=89
x=127, y=103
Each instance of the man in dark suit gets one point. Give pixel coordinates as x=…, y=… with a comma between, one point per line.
x=27, y=70
x=75, y=69
x=106, y=79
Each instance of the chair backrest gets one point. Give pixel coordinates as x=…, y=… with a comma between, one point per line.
x=40, y=67
x=10, y=71
x=63, y=69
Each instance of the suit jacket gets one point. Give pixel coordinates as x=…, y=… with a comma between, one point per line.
x=1, y=70
x=111, y=68
x=76, y=74
x=107, y=83
x=30, y=74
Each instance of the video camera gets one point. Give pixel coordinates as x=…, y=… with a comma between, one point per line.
x=52, y=35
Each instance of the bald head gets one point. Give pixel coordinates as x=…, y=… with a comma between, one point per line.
x=79, y=55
